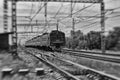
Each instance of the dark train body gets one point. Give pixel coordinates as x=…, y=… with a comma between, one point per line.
x=53, y=41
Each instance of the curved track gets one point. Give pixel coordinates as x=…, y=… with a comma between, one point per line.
x=93, y=52
x=56, y=68
x=114, y=58
x=88, y=71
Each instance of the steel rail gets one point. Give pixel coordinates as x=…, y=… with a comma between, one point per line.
x=89, y=70
x=90, y=52
x=56, y=68
x=74, y=1
x=96, y=57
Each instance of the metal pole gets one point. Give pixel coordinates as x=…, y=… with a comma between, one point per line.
x=5, y=18
x=102, y=26
x=71, y=9
x=14, y=27
x=45, y=4
x=72, y=19
x=57, y=24
x=73, y=24
x=37, y=25
x=31, y=26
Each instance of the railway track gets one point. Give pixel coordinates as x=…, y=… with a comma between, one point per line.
x=93, y=52
x=24, y=68
x=89, y=73
x=64, y=73
x=114, y=58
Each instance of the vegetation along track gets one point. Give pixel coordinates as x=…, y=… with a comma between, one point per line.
x=92, y=52
x=54, y=67
x=89, y=73
x=115, y=58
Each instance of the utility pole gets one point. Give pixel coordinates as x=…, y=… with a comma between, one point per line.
x=72, y=19
x=73, y=24
x=5, y=15
x=45, y=4
x=14, y=28
x=31, y=26
x=36, y=22
x=57, y=24
x=102, y=26
x=37, y=25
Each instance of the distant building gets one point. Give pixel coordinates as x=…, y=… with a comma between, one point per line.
x=5, y=40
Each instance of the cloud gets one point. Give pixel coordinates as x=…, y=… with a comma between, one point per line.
x=24, y=9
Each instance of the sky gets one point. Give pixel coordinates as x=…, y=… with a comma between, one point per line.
x=85, y=24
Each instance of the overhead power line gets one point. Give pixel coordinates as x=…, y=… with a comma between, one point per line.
x=89, y=25
x=31, y=10
x=77, y=11
x=38, y=12
x=58, y=11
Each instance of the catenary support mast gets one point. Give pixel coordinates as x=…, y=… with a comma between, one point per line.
x=14, y=26
x=102, y=27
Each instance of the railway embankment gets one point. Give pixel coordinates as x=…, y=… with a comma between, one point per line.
x=104, y=66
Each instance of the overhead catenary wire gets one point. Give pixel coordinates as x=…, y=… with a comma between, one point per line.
x=77, y=12
x=118, y=15
x=31, y=9
x=72, y=7
x=99, y=14
x=37, y=12
x=45, y=15
x=81, y=10
x=89, y=25
x=30, y=20
x=56, y=13
x=95, y=16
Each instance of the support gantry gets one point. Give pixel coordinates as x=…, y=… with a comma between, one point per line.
x=5, y=15
x=14, y=26
x=102, y=26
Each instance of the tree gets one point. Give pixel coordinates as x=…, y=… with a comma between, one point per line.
x=112, y=40
x=94, y=40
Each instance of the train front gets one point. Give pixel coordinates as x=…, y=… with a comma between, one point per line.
x=57, y=39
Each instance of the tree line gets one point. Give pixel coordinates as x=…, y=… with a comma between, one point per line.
x=92, y=40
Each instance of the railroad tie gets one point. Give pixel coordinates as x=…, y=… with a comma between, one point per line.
x=6, y=71
x=23, y=71
x=39, y=71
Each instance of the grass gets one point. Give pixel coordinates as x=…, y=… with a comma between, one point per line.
x=103, y=66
